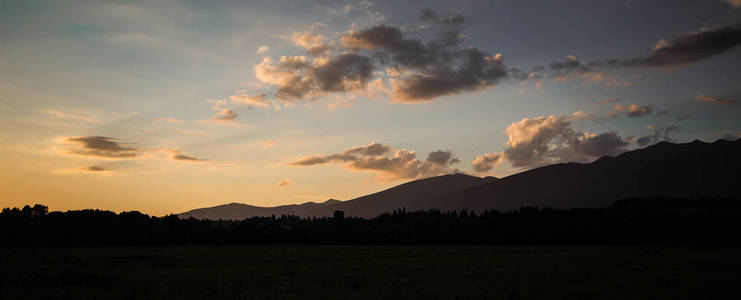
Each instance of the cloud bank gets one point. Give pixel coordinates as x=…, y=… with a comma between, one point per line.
x=407, y=68
x=688, y=48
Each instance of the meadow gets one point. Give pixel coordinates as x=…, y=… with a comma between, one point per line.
x=370, y=272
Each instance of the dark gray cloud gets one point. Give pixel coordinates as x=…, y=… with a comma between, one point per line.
x=442, y=157
x=429, y=70
x=571, y=65
x=371, y=149
x=684, y=50
x=186, y=158
x=376, y=157
x=101, y=146
x=430, y=16
x=477, y=72
x=94, y=169
x=343, y=73
x=179, y=156
x=607, y=143
x=297, y=77
x=422, y=70
x=391, y=46
x=660, y=134
x=687, y=48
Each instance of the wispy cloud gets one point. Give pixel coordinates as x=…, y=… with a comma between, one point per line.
x=631, y=111
x=285, y=182
x=101, y=146
x=715, y=100
x=73, y=116
x=178, y=155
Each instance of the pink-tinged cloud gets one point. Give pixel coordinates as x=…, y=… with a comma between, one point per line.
x=539, y=141
x=377, y=158
x=715, y=100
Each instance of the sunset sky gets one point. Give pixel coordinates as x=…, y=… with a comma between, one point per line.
x=167, y=106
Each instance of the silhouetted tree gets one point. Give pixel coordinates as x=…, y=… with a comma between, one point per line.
x=631, y=221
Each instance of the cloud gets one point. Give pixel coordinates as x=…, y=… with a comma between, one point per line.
x=263, y=50
x=428, y=70
x=538, y=141
x=101, y=146
x=442, y=157
x=260, y=100
x=479, y=71
x=377, y=158
x=414, y=70
x=429, y=16
x=486, y=162
x=72, y=116
x=285, y=182
x=297, y=77
x=177, y=155
x=660, y=134
x=225, y=115
x=93, y=169
x=571, y=67
x=343, y=73
x=372, y=149
x=632, y=111
x=598, y=145
x=308, y=40
x=715, y=100
x=535, y=75
x=688, y=48
x=359, y=12
x=107, y=147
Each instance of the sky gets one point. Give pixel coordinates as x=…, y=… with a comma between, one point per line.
x=167, y=106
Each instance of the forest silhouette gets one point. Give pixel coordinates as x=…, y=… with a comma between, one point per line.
x=660, y=221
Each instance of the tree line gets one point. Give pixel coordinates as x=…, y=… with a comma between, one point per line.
x=628, y=222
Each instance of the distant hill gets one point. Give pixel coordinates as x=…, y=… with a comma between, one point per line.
x=690, y=170
x=238, y=211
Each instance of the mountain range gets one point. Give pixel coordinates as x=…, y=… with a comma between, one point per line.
x=687, y=170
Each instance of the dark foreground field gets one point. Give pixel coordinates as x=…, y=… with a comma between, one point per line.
x=370, y=272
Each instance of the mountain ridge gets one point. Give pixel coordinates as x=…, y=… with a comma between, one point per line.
x=695, y=169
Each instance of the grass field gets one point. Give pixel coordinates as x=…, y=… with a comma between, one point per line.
x=370, y=272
